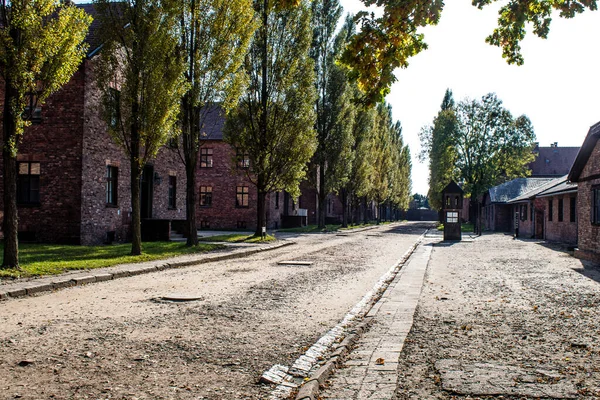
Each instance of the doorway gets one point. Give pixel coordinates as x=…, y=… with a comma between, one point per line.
x=147, y=191
x=539, y=224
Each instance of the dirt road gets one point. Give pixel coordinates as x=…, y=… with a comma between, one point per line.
x=503, y=318
x=116, y=339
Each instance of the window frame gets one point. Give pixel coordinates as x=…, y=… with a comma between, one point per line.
x=561, y=211
x=111, y=198
x=244, y=192
x=28, y=180
x=206, y=157
x=115, y=107
x=572, y=209
x=595, y=206
x=242, y=159
x=206, y=196
x=172, y=193
x=452, y=217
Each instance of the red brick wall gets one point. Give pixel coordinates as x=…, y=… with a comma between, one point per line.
x=99, y=150
x=56, y=144
x=556, y=231
x=588, y=234
x=223, y=214
x=525, y=222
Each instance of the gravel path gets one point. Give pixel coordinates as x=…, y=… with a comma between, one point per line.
x=116, y=339
x=500, y=318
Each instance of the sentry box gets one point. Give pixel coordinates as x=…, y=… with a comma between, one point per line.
x=452, y=195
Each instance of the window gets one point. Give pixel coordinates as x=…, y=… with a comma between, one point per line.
x=115, y=107
x=276, y=200
x=452, y=217
x=560, y=210
x=550, y=210
x=596, y=205
x=33, y=111
x=531, y=213
x=204, y=224
x=172, y=192
x=28, y=183
x=205, y=196
x=112, y=182
x=241, y=197
x=573, y=208
x=206, y=158
x=243, y=159
x=523, y=212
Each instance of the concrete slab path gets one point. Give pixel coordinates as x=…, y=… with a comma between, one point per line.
x=370, y=371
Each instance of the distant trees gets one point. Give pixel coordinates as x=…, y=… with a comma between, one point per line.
x=477, y=142
x=41, y=47
x=274, y=121
x=140, y=76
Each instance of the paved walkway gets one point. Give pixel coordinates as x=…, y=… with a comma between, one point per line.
x=370, y=371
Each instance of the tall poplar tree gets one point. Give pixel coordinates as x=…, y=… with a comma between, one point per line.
x=140, y=76
x=274, y=122
x=41, y=47
x=334, y=108
x=438, y=146
x=215, y=35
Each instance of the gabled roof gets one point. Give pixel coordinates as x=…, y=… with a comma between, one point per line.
x=561, y=188
x=553, y=161
x=536, y=191
x=212, y=119
x=515, y=188
x=93, y=37
x=452, y=187
x=584, y=152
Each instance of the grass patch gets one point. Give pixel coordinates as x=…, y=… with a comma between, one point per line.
x=237, y=238
x=51, y=259
x=466, y=227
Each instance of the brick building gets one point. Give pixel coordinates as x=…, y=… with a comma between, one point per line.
x=73, y=181
x=586, y=173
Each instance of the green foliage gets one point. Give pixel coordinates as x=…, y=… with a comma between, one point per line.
x=41, y=47
x=516, y=15
x=46, y=259
x=274, y=121
x=334, y=109
x=215, y=35
x=386, y=42
x=419, y=201
x=438, y=145
x=140, y=74
x=479, y=144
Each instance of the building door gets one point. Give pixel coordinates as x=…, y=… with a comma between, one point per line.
x=147, y=191
x=539, y=224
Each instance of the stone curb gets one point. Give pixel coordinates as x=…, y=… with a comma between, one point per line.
x=311, y=387
x=30, y=288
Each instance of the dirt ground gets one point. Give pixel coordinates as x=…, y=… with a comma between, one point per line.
x=503, y=318
x=118, y=340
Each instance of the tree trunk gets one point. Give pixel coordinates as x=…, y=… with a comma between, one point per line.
x=261, y=212
x=136, y=220
x=345, y=207
x=190, y=150
x=10, y=224
x=190, y=206
x=136, y=172
x=322, y=196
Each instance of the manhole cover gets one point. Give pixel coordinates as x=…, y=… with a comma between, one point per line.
x=181, y=297
x=293, y=262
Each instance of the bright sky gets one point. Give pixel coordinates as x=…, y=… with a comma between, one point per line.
x=558, y=87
